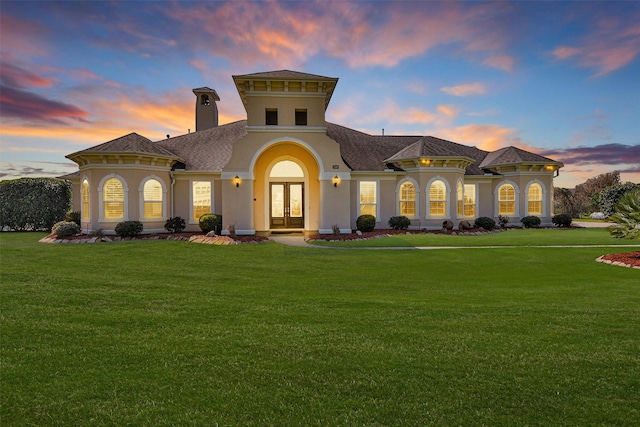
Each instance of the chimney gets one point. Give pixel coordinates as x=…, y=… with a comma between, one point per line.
x=206, y=108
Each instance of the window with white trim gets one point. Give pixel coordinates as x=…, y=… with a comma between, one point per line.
x=506, y=200
x=469, y=207
x=368, y=198
x=438, y=198
x=201, y=198
x=85, y=199
x=113, y=199
x=534, y=199
x=152, y=195
x=407, y=199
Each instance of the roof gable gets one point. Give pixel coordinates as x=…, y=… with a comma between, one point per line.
x=512, y=155
x=132, y=143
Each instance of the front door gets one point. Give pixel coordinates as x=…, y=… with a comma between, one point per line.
x=287, y=205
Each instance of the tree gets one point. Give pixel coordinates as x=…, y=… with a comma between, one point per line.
x=610, y=196
x=586, y=195
x=33, y=203
x=627, y=216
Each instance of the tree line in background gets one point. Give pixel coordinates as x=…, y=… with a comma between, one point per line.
x=599, y=194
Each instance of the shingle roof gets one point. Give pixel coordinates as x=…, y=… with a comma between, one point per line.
x=206, y=150
x=509, y=155
x=131, y=143
x=364, y=152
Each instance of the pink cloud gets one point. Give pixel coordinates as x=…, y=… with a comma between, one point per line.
x=611, y=45
x=502, y=62
x=361, y=34
x=467, y=89
x=15, y=76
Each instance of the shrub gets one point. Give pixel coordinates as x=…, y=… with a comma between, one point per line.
x=610, y=196
x=485, y=222
x=33, y=203
x=503, y=220
x=65, y=229
x=129, y=228
x=464, y=225
x=561, y=220
x=530, y=221
x=399, y=222
x=447, y=225
x=74, y=217
x=627, y=216
x=210, y=222
x=175, y=225
x=366, y=223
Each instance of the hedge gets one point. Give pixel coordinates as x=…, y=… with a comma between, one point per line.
x=33, y=204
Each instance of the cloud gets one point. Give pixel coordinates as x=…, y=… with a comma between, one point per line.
x=612, y=44
x=608, y=154
x=361, y=34
x=17, y=77
x=502, y=62
x=17, y=170
x=467, y=89
x=486, y=137
x=29, y=106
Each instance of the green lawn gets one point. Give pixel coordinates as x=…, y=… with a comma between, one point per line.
x=173, y=333
x=513, y=237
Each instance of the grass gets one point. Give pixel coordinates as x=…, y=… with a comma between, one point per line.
x=513, y=237
x=173, y=333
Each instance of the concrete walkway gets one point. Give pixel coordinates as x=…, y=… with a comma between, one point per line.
x=297, y=240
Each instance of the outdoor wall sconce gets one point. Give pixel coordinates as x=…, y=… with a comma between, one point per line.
x=336, y=180
x=236, y=181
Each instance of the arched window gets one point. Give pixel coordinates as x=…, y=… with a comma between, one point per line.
x=113, y=199
x=407, y=199
x=85, y=199
x=152, y=199
x=506, y=200
x=438, y=198
x=534, y=199
x=286, y=169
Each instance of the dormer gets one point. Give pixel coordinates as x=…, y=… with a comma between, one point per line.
x=285, y=100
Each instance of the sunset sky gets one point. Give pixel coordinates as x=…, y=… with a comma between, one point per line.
x=557, y=78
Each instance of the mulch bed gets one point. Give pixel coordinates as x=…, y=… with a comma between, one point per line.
x=625, y=259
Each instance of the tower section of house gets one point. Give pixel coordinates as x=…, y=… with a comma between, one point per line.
x=206, y=108
x=289, y=173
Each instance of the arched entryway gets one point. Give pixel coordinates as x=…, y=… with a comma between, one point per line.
x=286, y=188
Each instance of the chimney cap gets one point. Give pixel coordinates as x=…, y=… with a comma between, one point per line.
x=206, y=90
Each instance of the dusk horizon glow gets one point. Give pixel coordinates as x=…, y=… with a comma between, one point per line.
x=556, y=78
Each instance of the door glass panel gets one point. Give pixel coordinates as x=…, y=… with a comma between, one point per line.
x=277, y=200
x=295, y=200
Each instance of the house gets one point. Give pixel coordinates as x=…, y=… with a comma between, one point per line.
x=285, y=168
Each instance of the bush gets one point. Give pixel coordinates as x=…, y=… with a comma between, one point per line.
x=33, y=203
x=366, y=223
x=484, y=222
x=399, y=222
x=627, y=216
x=503, y=220
x=73, y=217
x=129, y=228
x=175, y=225
x=610, y=196
x=65, y=229
x=531, y=221
x=561, y=220
x=210, y=222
